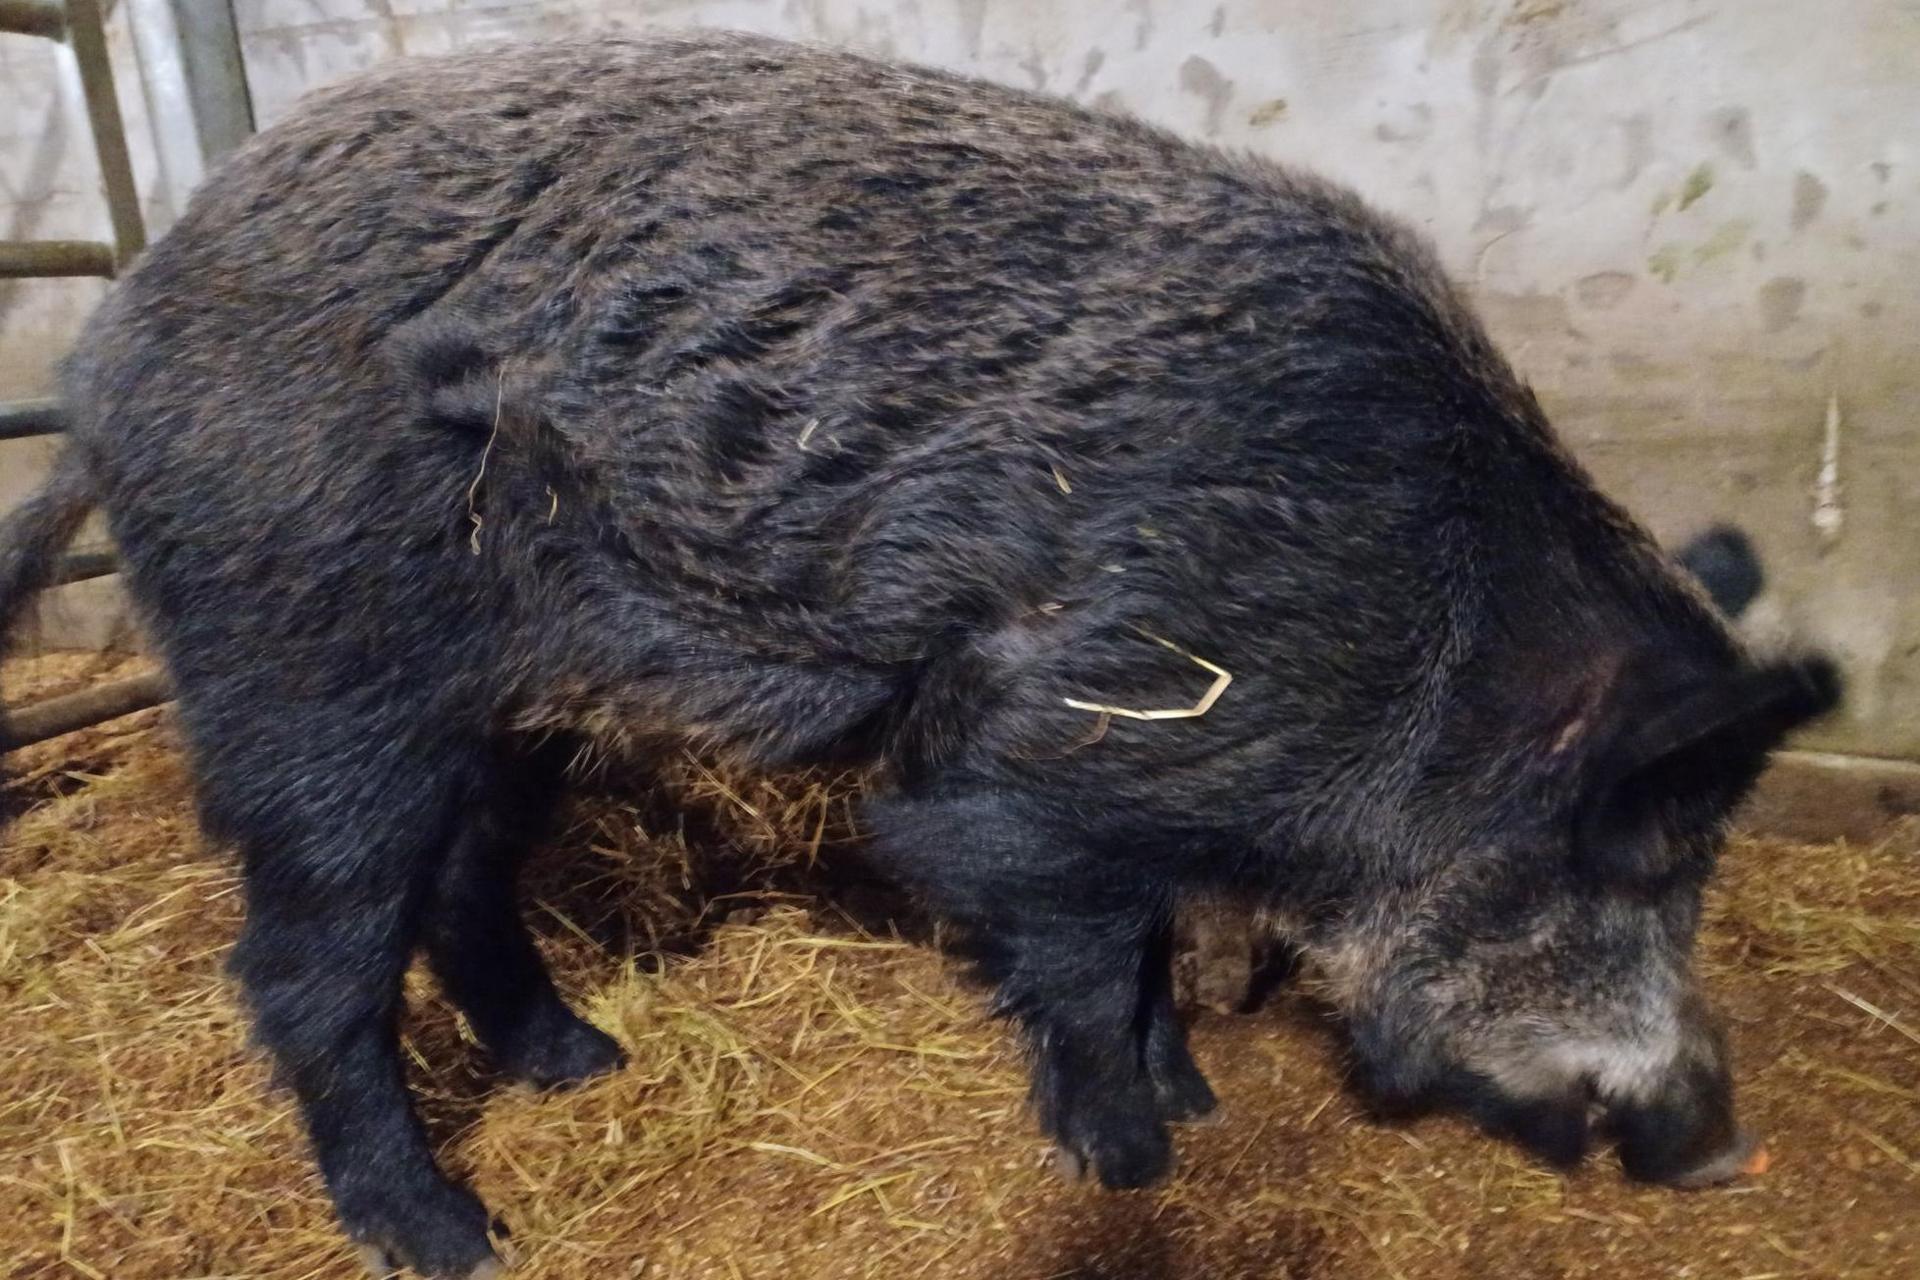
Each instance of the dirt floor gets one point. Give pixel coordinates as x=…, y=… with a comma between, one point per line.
x=809, y=1095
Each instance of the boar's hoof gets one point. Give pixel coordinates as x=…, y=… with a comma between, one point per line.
x=1185, y=1095
x=441, y=1232
x=561, y=1050
x=1209, y=1116
x=1122, y=1156
x=1725, y=1167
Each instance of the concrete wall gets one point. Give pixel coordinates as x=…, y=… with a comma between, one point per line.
x=1695, y=227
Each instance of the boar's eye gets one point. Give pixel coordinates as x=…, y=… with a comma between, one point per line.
x=1673, y=778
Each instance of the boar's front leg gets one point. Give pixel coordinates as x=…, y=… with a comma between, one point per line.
x=1183, y=1093
x=1077, y=944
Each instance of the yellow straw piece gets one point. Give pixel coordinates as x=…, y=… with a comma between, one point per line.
x=1222, y=678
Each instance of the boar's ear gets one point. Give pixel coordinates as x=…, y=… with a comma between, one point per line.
x=1722, y=559
x=445, y=370
x=1675, y=773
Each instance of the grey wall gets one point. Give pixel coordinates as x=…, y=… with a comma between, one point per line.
x=1694, y=226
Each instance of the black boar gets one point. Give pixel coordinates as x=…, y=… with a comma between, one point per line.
x=813, y=407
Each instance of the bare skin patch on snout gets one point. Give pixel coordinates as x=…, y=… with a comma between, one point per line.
x=1746, y=1157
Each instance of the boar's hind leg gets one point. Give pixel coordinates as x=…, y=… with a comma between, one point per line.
x=1077, y=947
x=339, y=822
x=478, y=944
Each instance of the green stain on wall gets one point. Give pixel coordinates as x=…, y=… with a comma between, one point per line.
x=1698, y=183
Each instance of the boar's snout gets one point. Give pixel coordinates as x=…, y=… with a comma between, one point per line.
x=1685, y=1134
x=1643, y=1064
x=1682, y=1133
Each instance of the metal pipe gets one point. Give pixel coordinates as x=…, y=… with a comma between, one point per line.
x=25, y=259
x=22, y=418
x=87, y=34
x=33, y=18
x=49, y=719
x=215, y=74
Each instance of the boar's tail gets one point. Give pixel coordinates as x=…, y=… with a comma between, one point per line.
x=32, y=536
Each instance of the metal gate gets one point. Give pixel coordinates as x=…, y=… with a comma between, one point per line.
x=211, y=57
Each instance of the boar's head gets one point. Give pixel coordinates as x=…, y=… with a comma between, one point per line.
x=1538, y=976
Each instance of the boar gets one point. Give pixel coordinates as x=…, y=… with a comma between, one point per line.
x=813, y=408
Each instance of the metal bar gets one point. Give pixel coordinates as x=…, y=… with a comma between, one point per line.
x=22, y=418
x=25, y=259
x=33, y=18
x=49, y=719
x=82, y=565
x=215, y=75
x=87, y=34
